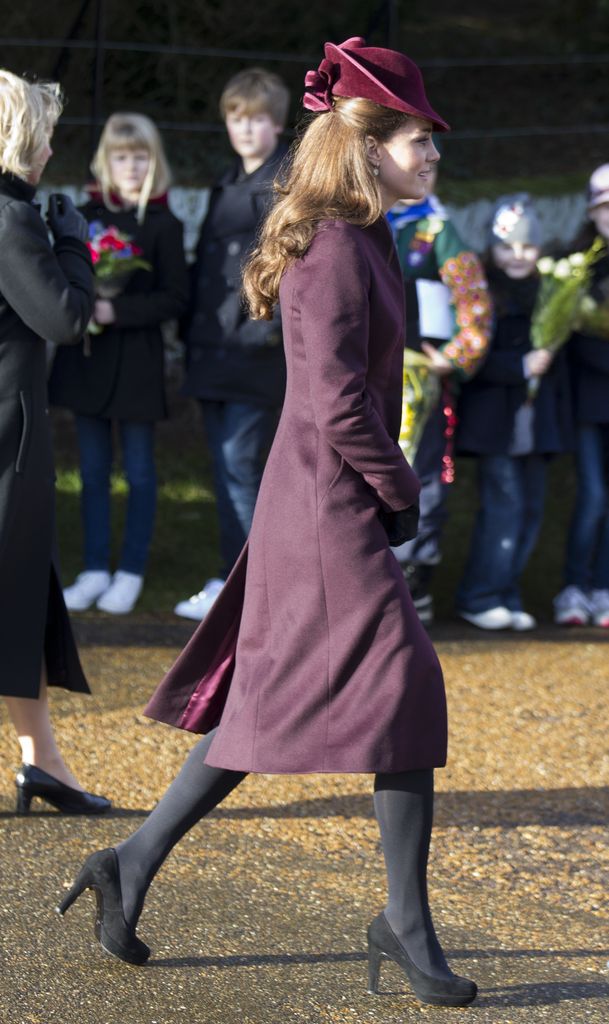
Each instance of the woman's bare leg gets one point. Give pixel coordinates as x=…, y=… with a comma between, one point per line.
x=32, y=721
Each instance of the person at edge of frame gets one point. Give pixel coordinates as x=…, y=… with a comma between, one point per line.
x=46, y=292
x=584, y=596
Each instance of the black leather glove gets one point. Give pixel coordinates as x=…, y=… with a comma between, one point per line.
x=64, y=220
x=400, y=526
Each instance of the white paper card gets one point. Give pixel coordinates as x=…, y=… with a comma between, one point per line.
x=436, y=314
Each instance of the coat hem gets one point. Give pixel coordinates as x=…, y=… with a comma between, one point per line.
x=338, y=770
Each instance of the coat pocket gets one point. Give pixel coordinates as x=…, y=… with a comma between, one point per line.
x=333, y=481
x=25, y=432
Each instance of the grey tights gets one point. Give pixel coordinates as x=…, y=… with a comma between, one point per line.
x=403, y=804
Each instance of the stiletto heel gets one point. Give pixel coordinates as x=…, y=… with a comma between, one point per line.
x=100, y=873
x=382, y=943
x=32, y=781
x=73, y=895
x=374, y=967
x=24, y=800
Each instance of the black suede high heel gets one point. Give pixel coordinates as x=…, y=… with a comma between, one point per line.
x=382, y=943
x=32, y=781
x=100, y=873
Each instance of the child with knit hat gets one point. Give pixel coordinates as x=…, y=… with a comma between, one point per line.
x=511, y=435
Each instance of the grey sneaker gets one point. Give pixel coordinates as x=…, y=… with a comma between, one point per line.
x=123, y=592
x=571, y=607
x=197, y=606
x=86, y=589
x=523, y=621
x=493, y=618
x=423, y=604
x=599, y=607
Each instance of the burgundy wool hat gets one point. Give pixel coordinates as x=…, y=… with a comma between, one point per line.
x=383, y=76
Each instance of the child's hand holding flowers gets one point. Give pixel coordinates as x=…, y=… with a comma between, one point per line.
x=563, y=285
x=115, y=257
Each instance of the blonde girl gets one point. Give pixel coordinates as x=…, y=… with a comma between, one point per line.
x=118, y=376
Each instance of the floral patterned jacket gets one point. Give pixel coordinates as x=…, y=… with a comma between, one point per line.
x=430, y=248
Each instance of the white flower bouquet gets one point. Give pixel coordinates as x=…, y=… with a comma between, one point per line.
x=564, y=284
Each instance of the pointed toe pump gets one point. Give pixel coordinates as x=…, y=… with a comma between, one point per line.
x=383, y=945
x=100, y=873
x=32, y=781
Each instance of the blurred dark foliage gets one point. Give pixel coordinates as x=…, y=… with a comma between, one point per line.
x=175, y=88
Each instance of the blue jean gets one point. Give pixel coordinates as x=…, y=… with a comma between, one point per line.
x=239, y=435
x=95, y=446
x=587, y=564
x=512, y=494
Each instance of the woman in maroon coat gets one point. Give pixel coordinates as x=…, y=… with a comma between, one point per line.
x=329, y=668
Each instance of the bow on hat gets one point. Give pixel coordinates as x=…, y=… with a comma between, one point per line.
x=318, y=86
x=384, y=76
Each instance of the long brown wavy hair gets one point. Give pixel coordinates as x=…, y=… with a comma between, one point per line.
x=329, y=177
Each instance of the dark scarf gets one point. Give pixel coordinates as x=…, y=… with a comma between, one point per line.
x=16, y=187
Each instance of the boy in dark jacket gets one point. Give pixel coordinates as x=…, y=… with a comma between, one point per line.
x=235, y=366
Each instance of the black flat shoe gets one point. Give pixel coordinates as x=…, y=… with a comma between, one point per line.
x=32, y=781
x=100, y=873
x=383, y=944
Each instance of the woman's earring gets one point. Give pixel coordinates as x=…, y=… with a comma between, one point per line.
x=375, y=170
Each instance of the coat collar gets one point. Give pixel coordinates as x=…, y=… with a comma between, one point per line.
x=266, y=171
x=154, y=203
x=16, y=187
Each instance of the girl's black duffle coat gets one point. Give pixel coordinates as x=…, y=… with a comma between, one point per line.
x=120, y=374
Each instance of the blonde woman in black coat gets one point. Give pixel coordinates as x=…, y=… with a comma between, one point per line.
x=46, y=293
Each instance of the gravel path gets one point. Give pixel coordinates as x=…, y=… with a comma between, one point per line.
x=259, y=915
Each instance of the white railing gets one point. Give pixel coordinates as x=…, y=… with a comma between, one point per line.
x=560, y=216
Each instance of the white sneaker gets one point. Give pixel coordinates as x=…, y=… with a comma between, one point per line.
x=571, y=607
x=492, y=618
x=85, y=590
x=123, y=592
x=197, y=606
x=599, y=606
x=522, y=621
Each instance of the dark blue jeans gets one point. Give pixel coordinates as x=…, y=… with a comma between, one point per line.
x=239, y=435
x=587, y=563
x=95, y=446
x=512, y=494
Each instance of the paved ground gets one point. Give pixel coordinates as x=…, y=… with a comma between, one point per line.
x=259, y=916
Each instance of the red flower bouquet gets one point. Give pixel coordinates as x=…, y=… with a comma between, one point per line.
x=115, y=258
x=114, y=254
